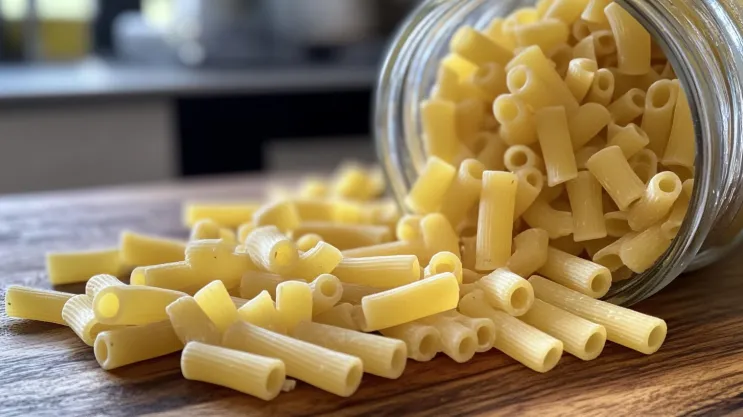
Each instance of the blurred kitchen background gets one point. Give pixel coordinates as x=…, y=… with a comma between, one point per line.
x=104, y=92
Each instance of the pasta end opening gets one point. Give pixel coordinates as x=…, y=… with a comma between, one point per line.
x=107, y=305
x=520, y=299
x=551, y=359
x=275, y=380
x=656, y=337
x=595, y=344
x=428, y=345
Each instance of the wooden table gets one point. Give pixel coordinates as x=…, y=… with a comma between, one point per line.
x=46, y=370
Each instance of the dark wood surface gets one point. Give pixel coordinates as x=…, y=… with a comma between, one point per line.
x=46, y=370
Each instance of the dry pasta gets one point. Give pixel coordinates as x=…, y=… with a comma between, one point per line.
x=633, y=41
x=588, y=213
x=381, y=356
x=579, y=79
x=323, y=258
x=173, y=276
x=130, y=344
x=35, y=304
x=294, y=302
x=283, y=214
x=641, y=251
x=576, y=273
x=630, y=139
x=261, y=311
x=326, y=293
x=680, y=149
x=133, y=304
x=428, y=191
x=345, y=236
x=216, y=303
x=495, y=223
x=478, y=48
x=72, y=267
x=517, y=121
x=533, y=348
x=628, y=107
x=423, y=340
x=464, y=191
x=623, y=326
x=507, y=291
x=586, y=123
x=614, y=173
x=379, y=271
x=530, y=184
x=660, y=103
x=444, y=262
x=602, y=89
x=78, y=314
x=339, y=316
x=331, y=371
x=251, y=374
x=190, y=323
x=272, y=250
x=556, y=145
x=660, y=194
x=458, y=341
x=225, y=214
x=141, y=250
x=542, y=216
x=530, y=252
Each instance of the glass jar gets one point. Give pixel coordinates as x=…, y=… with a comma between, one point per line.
x=703, y=40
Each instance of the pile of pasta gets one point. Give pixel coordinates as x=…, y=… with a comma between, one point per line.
x=515, y=229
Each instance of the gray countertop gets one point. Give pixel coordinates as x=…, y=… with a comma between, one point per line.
x=96, y=78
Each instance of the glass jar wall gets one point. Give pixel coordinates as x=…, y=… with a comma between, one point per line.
x=703, y=40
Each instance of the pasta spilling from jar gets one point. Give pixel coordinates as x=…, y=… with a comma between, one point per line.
x=561, y=151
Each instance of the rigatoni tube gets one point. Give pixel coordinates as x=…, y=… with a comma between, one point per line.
x=623, y=326
x=507, y=291
x=131, y=344
x=35, y=304
x=495, y=220
x=331, y=371
x=576, y=273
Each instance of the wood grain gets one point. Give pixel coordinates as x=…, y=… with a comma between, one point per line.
x=46, y=370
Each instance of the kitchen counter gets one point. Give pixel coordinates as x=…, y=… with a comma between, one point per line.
x=46, y=370
x=96, y=78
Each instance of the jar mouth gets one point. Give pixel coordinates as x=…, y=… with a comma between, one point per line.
x=688, y=31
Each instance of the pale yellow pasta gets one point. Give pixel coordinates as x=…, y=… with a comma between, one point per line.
x=547, y=34
x=345, y=236
x=630, y=139
x=228, y=235
x=612, y=170
x=668, y=73
x=561, y=55
x=312, y=187
x=541, y=215
x=602, y=89
x=521, y=156
x=339, y=316
x=588, y=212
x=35, y=304
x=671, y=226
x=283, y=214
x=130, y=344
x=352, y=182
x=527, y=345
x=585, y=153
x=261, y=311
x=495, y=221
x=141, y=250
x=400, y=247
x=379, y=271
x=216, y=303
x=623, y=83
x=463, y=68
x=576, y=273
x=237, y=301
x=490, y=79
x=322, y=259
x=580, y=30
x=213, y=259
x=507, y=291
x=657, y=201
x=408, y=228
x=205, y=229
x=594, y=246
x=190, y=323
x=447, y=85
x=439, y=128
x=225, y=214
x=98, y=282
x=617, y=224
x=622, y=274
x=585, y=49
x=623, y=326
x=604, y=44
x=554, y=139
x=173, y=276
x=633, y=41
x=71, y=267
x=469, y=251
x=444, y=262
x=534, y=58
x=423, y=340
x=463, y=192
x=530, y=252
x=381, y=356
x=580, y=337
x=517, y=121
x=326, y=293
x=294, y=302
x=681, y=147
x=331, y=371
x=429, y=189
x=628, y=107
x=244, y=230
x=410, y=302
x=78, y=314
x=566, y=10
x=255, y=375
x=660, y=104
x=458, y=341
x=133, y=304
x=586, y=123
x=581, y=72
x=568, y=245
x=492, y=151
x=308, y=241
x=530, y=184
x=438, y=236
x=272, y=250
x=484, y=328
x=594, y=11
x=478, y=48
x=469, y=114
x=609, y=255
x=318, y=209
x=641, y=252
